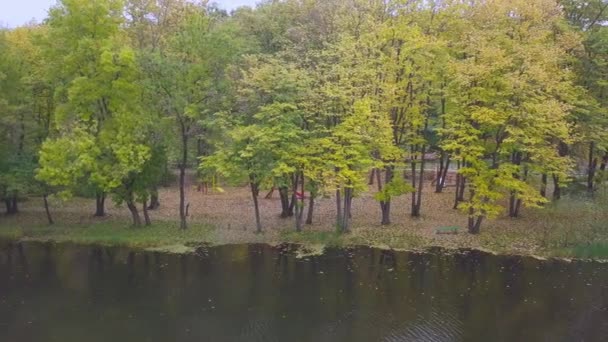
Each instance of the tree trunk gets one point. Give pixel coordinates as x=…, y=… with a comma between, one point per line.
x=604, y=162
x=385, y=206
x=516, y=159
x=146, y=214
x=154, y=201
x=294, y=181
x=100, y=204
x=347, y=210
x=183, y=224
x=443, y=172
x=311, y=206
x=543, y=185
x=372, y=176
x=474, y=225
x=284, y=196
x=254, y=193
x=269, y=194
x=591, y=168
x=557, y=190
x=12, y=206
x=46, y=209
x=418, y=184
x=338, y=210
x=299, y=207
x=134, y=213
x=460, y=188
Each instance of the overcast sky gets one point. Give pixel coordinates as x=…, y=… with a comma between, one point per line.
x=18, y=12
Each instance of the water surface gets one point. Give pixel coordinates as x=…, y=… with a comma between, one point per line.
x=260, y=293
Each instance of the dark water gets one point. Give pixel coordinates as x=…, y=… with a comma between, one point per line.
x=260, y=293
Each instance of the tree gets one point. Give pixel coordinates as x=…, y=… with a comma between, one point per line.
x=501, y=116
x=101, y=125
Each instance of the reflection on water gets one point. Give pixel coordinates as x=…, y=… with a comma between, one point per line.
x=261, y=293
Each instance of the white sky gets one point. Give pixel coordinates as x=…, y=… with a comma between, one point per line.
x=18, y=12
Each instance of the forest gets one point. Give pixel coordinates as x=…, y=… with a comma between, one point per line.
x=503, y=103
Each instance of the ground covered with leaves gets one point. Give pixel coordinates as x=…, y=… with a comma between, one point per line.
x=570, y=228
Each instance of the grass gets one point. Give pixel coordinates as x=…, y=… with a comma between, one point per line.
x=162, y=235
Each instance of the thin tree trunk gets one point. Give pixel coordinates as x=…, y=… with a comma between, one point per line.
x=338, y=210
x=417, y=183
x=100, y=204
x=443, y=172
x=557, y=190
x=604, y=162
x=299, y=208
x=543, y=185
x=347, y=212
x=183, y=224
x=516, y=160
x=254, y=193
x=591, y=168
x=146, y=215
x=444, y=165
x=154, y=200
x=474, y=220
x=372, y=176
x=269, y=194
x=311, y=206
x=385, y=206
x=413, y=180
x=295, y=180
x=284, y=196
x=134, y=213
x=420, y=183
x=47, y=210
x=457, y=190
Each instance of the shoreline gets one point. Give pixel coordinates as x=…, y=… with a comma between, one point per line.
x=310, y=243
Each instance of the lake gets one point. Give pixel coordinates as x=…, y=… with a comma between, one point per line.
x=63, y=292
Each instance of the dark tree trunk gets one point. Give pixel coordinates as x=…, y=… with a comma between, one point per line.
x=385, y=206
x=591, y=168
x=543, y=185
x=284, y=196
x=372, y=175
x=557, y=190
x=183, y=224
x=347, y=210
x=514, y=202
x=417, y=184
x=604, y=162
x=474, y=225
x=255, y=190
x=299, y=207
x=12, y=206
x=146, y=214
x=338, y=210
x=100, y=204
x=311, y=207
x=444, y=165
x=47, y=210
x=154, y=201
x=460, y=188
x=15, y=206
x=134, y=213
x=294, y=181
x=269, y=194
